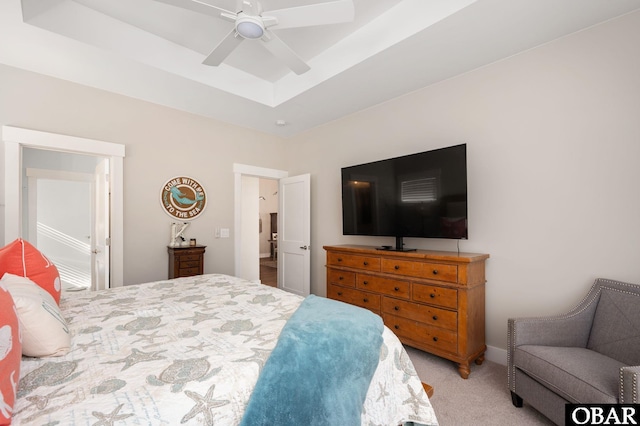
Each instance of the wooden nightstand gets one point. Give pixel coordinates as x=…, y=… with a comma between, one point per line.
x=186, y=261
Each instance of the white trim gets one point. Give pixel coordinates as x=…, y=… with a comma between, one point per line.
x=239, y=170
x=16, y=138
x=497, y=355
x=58, y=142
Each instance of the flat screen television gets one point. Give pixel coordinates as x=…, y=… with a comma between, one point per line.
x=421, y=195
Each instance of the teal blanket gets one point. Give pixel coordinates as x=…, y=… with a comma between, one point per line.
x=320, y=370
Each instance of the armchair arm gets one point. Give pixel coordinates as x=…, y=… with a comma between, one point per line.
x=629, y=385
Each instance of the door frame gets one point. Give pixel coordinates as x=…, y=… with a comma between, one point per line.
x=259, y=172
x=16, y=138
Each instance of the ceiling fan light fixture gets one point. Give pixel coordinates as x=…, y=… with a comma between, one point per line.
x=249, y=27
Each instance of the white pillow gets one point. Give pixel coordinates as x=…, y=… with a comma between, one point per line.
x=44, y=330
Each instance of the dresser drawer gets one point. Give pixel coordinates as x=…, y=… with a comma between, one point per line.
x=367, y=263
x=422, y=333
x=434, y=295
x=410, y=268
x=336, y=276
x=423, y=313
x=388, y=286
x=354, y=297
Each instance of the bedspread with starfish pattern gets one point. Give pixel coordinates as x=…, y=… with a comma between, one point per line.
x=184, y=351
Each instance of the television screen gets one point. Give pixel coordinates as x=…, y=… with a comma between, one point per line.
x=420, y=195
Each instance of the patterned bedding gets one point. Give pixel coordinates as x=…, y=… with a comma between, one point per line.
x=184, y=351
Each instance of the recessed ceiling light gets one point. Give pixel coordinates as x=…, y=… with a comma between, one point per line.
x=281, y=123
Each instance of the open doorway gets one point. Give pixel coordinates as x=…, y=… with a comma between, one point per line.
x=294, y=227
x=268, y=231
x=17, y=140
x=247, y=212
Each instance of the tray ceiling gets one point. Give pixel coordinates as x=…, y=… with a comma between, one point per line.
x=154, y=51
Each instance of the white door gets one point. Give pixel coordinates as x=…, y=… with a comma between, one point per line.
x=294, y=234
x=100, y=243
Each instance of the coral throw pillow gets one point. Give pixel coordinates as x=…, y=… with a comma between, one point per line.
x=10, y=355
x=23, y=259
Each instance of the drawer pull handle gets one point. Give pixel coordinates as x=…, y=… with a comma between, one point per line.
x=435, y=318
x=396, y=267
x=365, y=300
x=435, y=272
x=397, y=327
x=435, y=339
x=396, y=288
x=365, y=263
x=339, y=259
x=339, y=293
x=365, y=282
x=432, y=295
x=341, y=278
x=397, y=308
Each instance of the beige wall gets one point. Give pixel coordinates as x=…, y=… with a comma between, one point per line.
x=553, y=139
x=160, y=143
x=553, y=146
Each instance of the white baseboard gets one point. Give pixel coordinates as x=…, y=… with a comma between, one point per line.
x=263, y=255
x=497, y=355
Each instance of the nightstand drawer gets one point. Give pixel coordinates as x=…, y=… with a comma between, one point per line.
x=188, y=257
x=187, y=272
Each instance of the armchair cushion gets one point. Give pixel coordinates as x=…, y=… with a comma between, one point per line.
x=576, y=374
x=616, y=326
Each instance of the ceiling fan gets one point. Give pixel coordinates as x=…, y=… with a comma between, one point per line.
x=252, y=23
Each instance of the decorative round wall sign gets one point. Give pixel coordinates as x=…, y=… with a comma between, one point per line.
x=183, y=198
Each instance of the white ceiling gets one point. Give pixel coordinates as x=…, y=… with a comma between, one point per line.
x=154, y=51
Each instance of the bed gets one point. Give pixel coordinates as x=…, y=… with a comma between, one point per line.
x=185, y=351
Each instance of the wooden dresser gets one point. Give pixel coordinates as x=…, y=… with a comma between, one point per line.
x=432, y=300
x=186, y=261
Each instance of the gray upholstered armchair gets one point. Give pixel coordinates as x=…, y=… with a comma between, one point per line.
x=588, y=355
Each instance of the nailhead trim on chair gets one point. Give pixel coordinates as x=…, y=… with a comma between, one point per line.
x=634, y=394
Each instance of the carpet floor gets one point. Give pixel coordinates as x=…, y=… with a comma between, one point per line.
x=482, y=399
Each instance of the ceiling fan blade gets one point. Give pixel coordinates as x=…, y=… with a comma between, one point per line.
x=200, y=7
x=223, y=49
x=333, y=12
x=284, y=53
x=252, y=7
